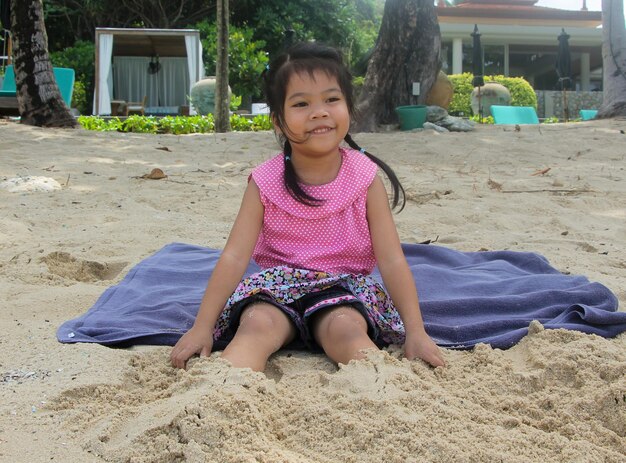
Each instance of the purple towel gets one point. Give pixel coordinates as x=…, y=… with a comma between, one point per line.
x=465, y=297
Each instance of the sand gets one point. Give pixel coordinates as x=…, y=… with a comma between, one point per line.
x=556, y=396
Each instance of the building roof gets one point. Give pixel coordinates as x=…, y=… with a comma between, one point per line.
x=516, y=12
x=148, y=42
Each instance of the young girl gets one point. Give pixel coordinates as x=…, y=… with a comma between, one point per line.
x=317, y=219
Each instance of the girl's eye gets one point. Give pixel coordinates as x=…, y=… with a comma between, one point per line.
x=332, y=99
x=300, y=104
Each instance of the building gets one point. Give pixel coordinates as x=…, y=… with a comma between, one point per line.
x=520, y=39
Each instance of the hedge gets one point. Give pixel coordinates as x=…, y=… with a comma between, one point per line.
x=177, y=125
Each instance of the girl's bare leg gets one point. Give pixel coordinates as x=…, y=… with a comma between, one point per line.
x=263, y=329
x=342, y=333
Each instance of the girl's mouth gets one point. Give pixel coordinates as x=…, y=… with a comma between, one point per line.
x=321, y=130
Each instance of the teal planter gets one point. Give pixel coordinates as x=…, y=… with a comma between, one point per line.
x=411, y=117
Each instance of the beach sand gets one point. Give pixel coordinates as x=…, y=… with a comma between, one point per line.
x=556, y=396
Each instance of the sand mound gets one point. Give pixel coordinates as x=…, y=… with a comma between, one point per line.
x=525, y=404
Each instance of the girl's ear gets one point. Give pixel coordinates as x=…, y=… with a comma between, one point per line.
x=275, y=123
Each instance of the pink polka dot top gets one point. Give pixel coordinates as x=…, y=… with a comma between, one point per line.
x=332, y=237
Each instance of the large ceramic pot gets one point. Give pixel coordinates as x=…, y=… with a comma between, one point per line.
x=492, y=93
x=441, y=92
x=203, y=95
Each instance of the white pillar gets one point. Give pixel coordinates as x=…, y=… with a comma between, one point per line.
x=457, y=56
x=585, y=71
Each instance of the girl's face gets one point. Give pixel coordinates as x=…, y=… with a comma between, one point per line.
x=316, y=114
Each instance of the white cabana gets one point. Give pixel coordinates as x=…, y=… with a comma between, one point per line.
x=158, y=64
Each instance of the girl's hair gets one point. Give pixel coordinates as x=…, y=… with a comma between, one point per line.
x=306, y=58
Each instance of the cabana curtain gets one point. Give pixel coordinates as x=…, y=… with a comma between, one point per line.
x=194, y=60
x=165, y=88
x=105, y=80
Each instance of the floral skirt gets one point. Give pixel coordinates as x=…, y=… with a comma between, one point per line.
x=285, y=285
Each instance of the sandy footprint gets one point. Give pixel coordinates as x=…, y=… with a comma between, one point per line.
x=65, y=265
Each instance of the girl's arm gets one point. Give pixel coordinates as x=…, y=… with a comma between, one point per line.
x=397, y=276
x=227, y=274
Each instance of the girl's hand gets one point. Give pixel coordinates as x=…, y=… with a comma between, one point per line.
x=422, y=346
x=194, y=341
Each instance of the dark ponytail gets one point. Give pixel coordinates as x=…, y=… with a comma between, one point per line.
x=399, y=197
x=295, y=190
x=291, y=180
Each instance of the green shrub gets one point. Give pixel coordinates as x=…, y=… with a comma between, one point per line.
x=235, y=102
x=551, y=120
x=484, y=120
x=461, y=103
x=80, y=58
x=180, y=125
x=357, y=85
x=176, y=125
x=240, y=124
x=79, y=98
x=140, y=124
x=246, y=57
x=262, y=122
x=522, y=94
x=99, y=124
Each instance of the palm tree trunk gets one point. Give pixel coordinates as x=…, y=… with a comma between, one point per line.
x=407, y=51
x=222, y=100
x=38, y=95
x=613, y=59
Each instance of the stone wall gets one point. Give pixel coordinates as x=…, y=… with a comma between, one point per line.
x=550, y=103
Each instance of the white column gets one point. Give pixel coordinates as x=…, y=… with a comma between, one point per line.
x=457, y=56
x=585, y=72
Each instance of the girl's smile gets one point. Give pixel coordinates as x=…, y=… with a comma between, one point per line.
x=321, y=130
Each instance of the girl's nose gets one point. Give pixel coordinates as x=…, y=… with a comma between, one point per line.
x=319, y=112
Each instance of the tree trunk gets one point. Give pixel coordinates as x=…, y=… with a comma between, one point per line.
x=222, y=100
x=38, y=95
x=407, y=51
x=613, y=59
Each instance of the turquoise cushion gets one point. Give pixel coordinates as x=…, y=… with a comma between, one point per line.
x=64, y=77
x=65, y=80
x=514, y=114
x=8, y=85
x=587, y=114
